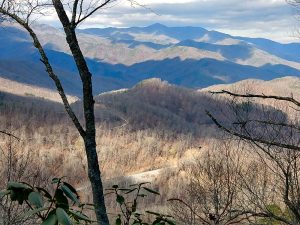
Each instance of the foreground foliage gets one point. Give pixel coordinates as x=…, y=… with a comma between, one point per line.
x=63, y=207
x=128, y=199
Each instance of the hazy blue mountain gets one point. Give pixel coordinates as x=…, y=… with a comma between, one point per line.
x=285, y=51
x=180, y=33
x=133, y=44
x=187, y=56
x=205, y=72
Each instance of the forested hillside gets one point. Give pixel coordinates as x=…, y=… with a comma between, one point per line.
x=151, y=132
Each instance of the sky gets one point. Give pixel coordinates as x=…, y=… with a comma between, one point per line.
x=273, y=19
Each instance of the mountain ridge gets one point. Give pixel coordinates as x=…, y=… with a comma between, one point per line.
x=116, y=62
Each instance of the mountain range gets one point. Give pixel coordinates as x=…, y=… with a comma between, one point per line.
x=191, y=57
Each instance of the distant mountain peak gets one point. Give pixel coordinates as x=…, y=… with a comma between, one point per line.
x=157, y=26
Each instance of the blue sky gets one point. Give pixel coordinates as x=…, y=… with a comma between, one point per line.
x=273, y=19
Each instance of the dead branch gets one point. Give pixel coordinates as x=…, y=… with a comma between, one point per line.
x=262, y=96
x=249, y=138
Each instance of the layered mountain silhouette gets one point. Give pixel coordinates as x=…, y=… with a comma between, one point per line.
x=120, y=57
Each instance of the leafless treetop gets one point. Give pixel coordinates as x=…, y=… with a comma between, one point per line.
x=77, y=10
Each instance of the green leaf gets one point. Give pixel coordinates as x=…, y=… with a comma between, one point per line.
x=35, y=199
x=118, y=221
x=13, y=195
x=50, y=220
x=72, y=189
x=69, y=193
x=26, y=193
x=63, y=217
x=13, y=185
x=157, y=222
x=55, y=180
x=151, y=191
x=19, y=194
x=80, y=216
x=120, y=199
x=61, y=200
x=170, y=222
x=20, y=198
x=45, y=192
x=26, y=184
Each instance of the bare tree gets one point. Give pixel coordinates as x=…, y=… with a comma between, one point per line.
x=274, y=134
x=214, y=195
x=22, y=13
x=17, y=165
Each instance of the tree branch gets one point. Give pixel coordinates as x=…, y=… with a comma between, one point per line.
x=9, y=134
x=74, y=13
x=243, y=123
x=245, y=137
x=190, y=208
x=92, y=12
x=280, y=98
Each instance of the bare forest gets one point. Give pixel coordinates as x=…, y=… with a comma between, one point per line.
x=204, y=175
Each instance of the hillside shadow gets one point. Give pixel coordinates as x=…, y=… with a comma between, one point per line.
x=230, y=52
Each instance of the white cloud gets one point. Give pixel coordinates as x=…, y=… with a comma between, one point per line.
x=257, y=18
x=153, y=2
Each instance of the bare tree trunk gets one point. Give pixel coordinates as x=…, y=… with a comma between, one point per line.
x=88, y=107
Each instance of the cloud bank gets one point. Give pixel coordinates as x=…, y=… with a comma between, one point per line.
x=274, y=19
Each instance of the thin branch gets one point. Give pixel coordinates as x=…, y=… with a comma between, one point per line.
x=193, y=211
x=243, y=123
x=262, y=96
x=75, y=6
x=253, y=139
x=9, y=134
x=264, y=215
x=92, y=12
